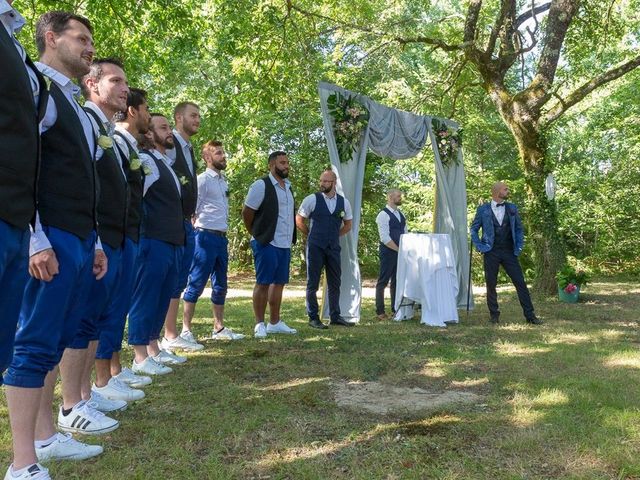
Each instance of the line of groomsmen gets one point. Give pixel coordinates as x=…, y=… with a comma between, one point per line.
x=95, y=225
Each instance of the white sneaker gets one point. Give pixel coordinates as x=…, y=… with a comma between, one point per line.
x=179, y=343
x=65, y=447
x=106, y=405
x=150, y=367
x=260, y=330
x=34, y=472
x=85, y=418
x=168, y=358
x=280, y=327
x=226, y=334
x=131, y=379
x=188, y=337
x=117, y=390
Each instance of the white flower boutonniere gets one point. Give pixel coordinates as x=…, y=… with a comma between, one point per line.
x=183, y=180
x=146, y=170
x=105, y=142
x=135, y=163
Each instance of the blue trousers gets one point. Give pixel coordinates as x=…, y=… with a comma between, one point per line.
x=156, y=276
x=51, y=311
x=14, y=272
x=100, y=294
x=185, y=261
x=329, y=258
x=388, y=269
x=210, y=259
x=113, y=320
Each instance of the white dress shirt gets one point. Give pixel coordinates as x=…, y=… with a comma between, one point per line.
x=498, y=211
x=382, y=220
x=109, y=127
x=212, y=209
x=13, y=22
x=123, y=144
x=308, y=205
x=285, y=224
x=154, y=172
x=186, y=151
x=39, y=240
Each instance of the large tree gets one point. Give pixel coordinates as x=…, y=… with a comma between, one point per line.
x=515, y=49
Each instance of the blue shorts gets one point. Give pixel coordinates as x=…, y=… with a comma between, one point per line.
x=51, y=311
x=185, y=261
x=211, y=259
x=271, y=263
x=14, y=266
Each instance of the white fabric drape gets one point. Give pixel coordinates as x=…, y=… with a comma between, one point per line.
x=398, y=135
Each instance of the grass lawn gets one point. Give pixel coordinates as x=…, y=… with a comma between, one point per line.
x=556, y=401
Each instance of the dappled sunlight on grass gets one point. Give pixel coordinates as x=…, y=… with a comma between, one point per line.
x=623, y=359
x=318, y=338
x=509, y=349
x=293, y=383
x=469, y=382
x=567, y=338
x=434, y=369
x=389, y=433
x=526, y=409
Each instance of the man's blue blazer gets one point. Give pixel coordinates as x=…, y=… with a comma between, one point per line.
x=484, y=220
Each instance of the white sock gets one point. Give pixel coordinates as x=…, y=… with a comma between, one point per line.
x=44, y=443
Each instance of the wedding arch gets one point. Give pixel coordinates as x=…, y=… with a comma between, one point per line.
x=398, y=135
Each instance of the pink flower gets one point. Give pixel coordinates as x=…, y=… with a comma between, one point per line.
x=570, y=288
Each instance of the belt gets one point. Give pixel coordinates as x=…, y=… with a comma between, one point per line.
x=219, y=233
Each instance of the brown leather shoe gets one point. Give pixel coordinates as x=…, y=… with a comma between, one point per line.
x=383, y=316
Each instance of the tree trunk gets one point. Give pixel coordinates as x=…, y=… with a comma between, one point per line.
x=541, y=216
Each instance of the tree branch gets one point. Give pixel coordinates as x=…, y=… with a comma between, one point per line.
x=561, y=14
x=471, y=22
x=586, y=88
x=532, y=13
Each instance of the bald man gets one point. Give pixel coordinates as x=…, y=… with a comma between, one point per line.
x=501, y=244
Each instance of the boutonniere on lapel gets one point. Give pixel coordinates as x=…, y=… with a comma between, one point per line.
x=339, y=213
x=134, y=161
x=105, y=142
x=183, y=180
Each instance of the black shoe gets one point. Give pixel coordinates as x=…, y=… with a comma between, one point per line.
x=534, y=321
x=316, y=323
x=495, y=319
x=341, y=321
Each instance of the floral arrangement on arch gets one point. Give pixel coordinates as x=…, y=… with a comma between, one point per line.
x=350, y=118
x=448, y=140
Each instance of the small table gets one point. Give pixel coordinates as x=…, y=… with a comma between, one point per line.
x=427, y=275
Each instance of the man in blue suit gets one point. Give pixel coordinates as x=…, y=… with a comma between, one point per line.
x=501, y=243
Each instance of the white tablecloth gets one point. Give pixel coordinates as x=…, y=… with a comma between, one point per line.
x=427, y=275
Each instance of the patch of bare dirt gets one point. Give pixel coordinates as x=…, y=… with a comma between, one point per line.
x=380, y=399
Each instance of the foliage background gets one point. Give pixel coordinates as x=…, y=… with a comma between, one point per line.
x=253, y=67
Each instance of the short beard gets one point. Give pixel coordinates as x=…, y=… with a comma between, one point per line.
x=325, y=189
x=219, y=166
x=281, y=173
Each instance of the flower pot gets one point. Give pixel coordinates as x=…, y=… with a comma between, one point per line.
x=568, y=297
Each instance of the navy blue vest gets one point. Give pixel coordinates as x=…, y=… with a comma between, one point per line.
x=162, y=208
x=135, y=179
x=325, y=231
x=19, y=136
x=68, y=182
x=114, y=194
x=503, y=239
x=189, y=196
x=396, y=228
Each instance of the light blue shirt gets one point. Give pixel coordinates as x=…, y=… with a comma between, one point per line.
x=186, y=151
x=285, y=224
x=212, y=209
x=154, y=171
x=308, y=205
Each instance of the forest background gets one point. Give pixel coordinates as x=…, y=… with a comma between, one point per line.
x=253, y=67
